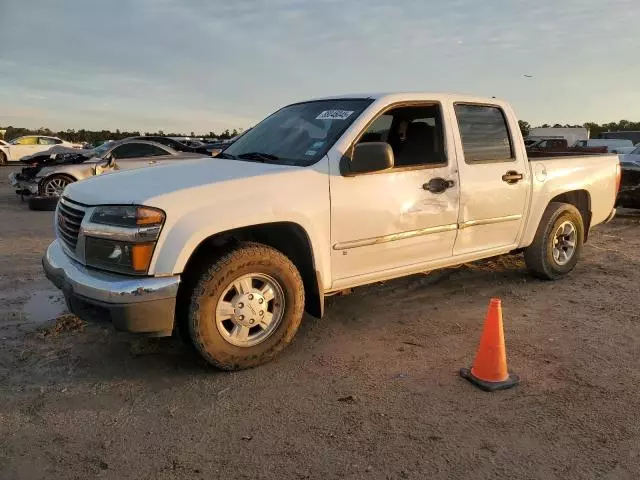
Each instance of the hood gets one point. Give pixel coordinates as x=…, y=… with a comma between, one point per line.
x=45, y=157
x=140, y=185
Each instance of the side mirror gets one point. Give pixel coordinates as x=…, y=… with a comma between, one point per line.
x=368, y=158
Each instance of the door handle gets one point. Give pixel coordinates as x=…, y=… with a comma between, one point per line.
x=438, y=185
x=512, y=177
x=151, y=162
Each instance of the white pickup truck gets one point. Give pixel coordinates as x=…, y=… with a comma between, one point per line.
x=321, y=196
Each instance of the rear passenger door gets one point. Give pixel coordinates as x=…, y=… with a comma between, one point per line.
x=494, y=178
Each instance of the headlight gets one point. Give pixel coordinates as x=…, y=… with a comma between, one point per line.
x=122, y=257
x=122, y=238
x=127, y=216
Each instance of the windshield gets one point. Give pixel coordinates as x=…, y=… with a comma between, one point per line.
x=299, y=134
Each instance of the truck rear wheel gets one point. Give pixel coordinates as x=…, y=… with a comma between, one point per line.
x=556, y=247
x=246, y=307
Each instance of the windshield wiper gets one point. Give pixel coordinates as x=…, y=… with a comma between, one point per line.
x=264, y=157
x=225, y=155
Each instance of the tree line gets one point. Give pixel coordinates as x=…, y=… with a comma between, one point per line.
x=98, y=136
x=595, y=129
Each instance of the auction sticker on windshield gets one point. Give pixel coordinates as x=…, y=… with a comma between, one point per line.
x=334, y=115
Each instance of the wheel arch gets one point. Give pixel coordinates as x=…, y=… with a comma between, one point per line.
x=581, y=199
x=289, y=238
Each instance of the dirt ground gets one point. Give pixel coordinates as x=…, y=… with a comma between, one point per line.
x=371, y=391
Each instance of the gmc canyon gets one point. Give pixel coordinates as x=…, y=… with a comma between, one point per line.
x=319, y=197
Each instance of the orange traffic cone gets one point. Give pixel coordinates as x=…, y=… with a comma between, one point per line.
x=489, y=371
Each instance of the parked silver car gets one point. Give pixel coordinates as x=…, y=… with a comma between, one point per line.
x=50, y=178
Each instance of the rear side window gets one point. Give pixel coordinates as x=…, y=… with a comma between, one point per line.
x=484, y=133
x=137, y=150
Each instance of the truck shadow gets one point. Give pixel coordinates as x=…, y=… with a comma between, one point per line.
x=95, y=353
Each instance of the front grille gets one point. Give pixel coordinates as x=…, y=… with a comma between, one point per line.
x=68, y=222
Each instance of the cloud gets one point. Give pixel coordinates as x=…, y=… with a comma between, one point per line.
x=197, y=64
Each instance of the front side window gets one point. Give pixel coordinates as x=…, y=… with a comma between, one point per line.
x=25, y=141
x=484, y=134
x=300, y=134
x=414, y=133
x=136, y=150
x=48, y=141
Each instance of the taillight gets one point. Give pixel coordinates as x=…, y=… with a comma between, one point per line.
x=618, y=177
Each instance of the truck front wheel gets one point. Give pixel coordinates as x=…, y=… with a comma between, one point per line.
x=556, y=247
x=246, y=307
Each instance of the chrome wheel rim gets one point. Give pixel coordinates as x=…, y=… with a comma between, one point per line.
x=55, y=187
x=250, y=310
x=564, y=243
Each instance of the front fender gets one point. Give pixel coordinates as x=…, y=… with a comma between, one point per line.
x=195, y=215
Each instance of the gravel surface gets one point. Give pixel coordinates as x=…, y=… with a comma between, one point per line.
x=370, y=391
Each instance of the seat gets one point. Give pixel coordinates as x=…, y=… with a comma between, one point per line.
x=419, y=148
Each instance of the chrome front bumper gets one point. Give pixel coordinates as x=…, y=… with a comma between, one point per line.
x=142, y=305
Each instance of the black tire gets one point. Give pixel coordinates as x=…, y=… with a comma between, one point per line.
x=246, y=258
x=42, y=204
x=539, y=256
x=3, y=159
x=42, y=188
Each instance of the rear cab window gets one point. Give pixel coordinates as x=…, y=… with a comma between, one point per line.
x=484, y=133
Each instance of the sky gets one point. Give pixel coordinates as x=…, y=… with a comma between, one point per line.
x=202, y=65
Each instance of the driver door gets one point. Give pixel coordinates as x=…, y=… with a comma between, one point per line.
x=389, y=222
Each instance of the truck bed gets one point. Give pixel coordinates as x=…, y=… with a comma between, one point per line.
x=593, y=177
x=551, y=155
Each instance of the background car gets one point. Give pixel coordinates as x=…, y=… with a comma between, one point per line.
x=633, y=156
x=50, y=179
x=629, y=193
x=60, y=154
x=20, y=147
x=612, y=144
x=177, y=145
